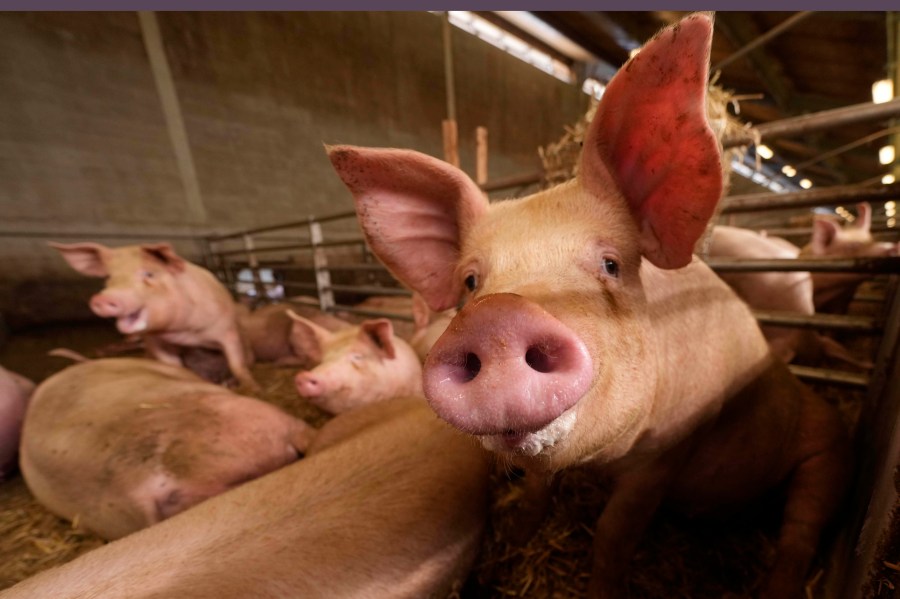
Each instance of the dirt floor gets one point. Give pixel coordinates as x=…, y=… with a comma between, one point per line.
x=678, y=558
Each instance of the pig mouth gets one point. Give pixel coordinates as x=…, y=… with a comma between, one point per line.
x=132, y=323
x=531, y=443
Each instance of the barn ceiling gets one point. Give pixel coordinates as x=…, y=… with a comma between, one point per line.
x=820, y=61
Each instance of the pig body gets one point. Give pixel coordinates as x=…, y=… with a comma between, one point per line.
x=429, y=326
x=172, y=303
x=591, y=335
x=834, y=291
x=122, y=443
x=14, y=393
x=389, y=502
x=360, y=365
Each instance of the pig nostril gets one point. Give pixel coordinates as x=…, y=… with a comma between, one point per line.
x=472, y=367
x=539, y=360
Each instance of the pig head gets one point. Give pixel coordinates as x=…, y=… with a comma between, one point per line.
x=589, y=331
x=360, y=365
x=152, y=291
x=834, y=291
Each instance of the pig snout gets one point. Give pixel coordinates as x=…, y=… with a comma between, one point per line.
x=107, y=305
x=505, y=366
x=309, y=385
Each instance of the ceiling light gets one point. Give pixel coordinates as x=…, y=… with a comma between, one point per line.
x=764, y=151
x=892, y=204
x=891, y=222
x=886, y=155
x=882, y=91
x=888, y=179
x=788, y=170
x=805, y=183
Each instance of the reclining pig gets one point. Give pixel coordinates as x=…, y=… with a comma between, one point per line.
x=122, y=443
x=778, y=291
x=834, y=291
x=14, y=393
x=152, y=291
x=592, y=335
x=360, y=365
x=390, y=502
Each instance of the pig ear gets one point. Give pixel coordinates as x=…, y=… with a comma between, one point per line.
x=165, y=254
x=420, y=311
x=413, y=210
x=381, y=333
x=863, y=217
x=86, y=258
x=824, y=232
x=650, y=137
x=311, y=329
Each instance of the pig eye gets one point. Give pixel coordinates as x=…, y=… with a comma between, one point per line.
x=147, y=274
x=471, y=282
x=610, y=267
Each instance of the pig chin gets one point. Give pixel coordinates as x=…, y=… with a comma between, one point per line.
x=532, y=443
x=135, y=322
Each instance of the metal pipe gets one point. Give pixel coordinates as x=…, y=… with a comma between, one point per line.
x=294, y=246
x=832, y=377
x=513, y=181
x=371, y=290
x=829, y=196
x=868, y=265
x=808, y=123
x=450, y=88
x=290, y=225
x=832, y=322
x=373, y=313
x=853, y=144
x=762, y=39
x=807, y=231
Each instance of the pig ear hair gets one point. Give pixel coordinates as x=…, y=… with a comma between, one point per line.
x=651, y=137
x=413, y=210
x=381, y=333
x=824, y=231
x=165, y=254
x=86, y=258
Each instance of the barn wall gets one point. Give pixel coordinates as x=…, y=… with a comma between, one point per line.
x=85, y=150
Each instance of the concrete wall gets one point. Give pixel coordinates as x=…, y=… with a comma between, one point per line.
x=85, y=152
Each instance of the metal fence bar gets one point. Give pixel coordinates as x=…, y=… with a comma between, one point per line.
x=833, y=322
x=836, y=195
x=296, y=246
x=290, y=225
x=879, y=265
x=371, y=290
x=373, y=313
x=324, y=290
x=831, y=377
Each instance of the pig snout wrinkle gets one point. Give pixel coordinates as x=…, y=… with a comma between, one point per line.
x=508, y=367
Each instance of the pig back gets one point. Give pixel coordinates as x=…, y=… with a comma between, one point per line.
x=395, y=509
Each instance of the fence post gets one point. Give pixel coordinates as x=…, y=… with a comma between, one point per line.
x=320, y=265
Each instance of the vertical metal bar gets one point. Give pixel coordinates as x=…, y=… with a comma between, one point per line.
x=448, y=68
x=253, y=263
x=320, y=264
x=481, y=155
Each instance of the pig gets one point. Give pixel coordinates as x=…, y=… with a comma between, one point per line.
x=429, y=325
x=834, y=291
x=273, y=336
x=152, y=291
x=590, y=333
x=778, y=291
x=360, y=365
x=119, y=444
x=15, y=390
x=389, y=502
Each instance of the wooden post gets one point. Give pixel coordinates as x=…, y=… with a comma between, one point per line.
x=451, y=142
x=481, y=155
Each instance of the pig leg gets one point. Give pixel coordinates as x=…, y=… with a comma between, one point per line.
x=160, y=350
x=301, y=436
x=629, y=511
x=815, y=492
x=233, y=348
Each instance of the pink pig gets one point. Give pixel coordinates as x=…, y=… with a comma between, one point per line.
x=152, y=291
x=834, y=291
x=360, y=365
x=122, y=443
x=14, y=393
x=591, y=334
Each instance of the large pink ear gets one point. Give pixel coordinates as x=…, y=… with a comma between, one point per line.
x=413, y=210
x=86, y=258
x=824, y=233
x=165, y=254
x=650, y=137
x=863, y=217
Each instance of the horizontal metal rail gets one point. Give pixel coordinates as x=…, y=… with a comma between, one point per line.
x=283, y=266
x=371, y=290
x=290, y=225
x=880, y=265
x=373, y=313
x=93, y=235
x=514, y=181
x=836, y=195
x=832, y=377
x=807, y=231
x=832, y=322
x=291, y=246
